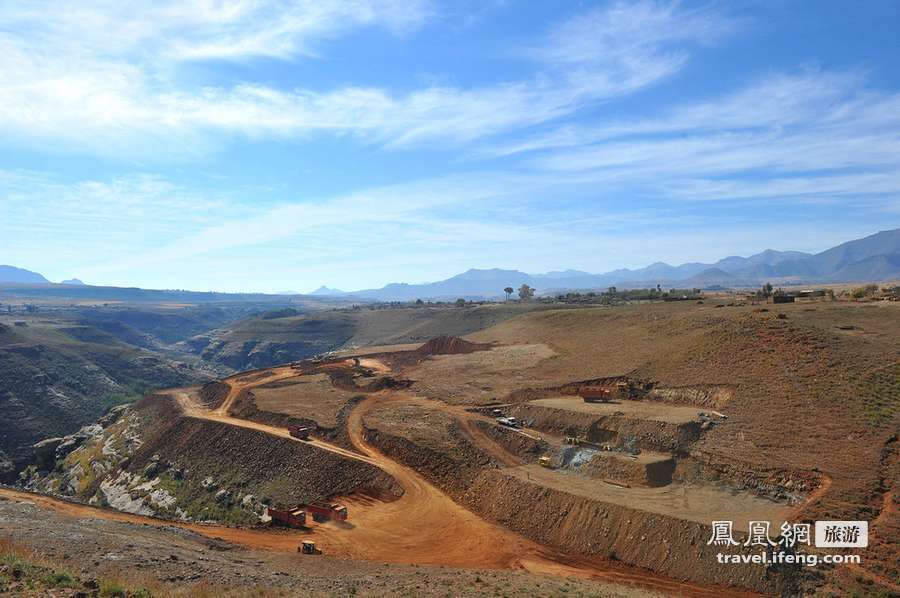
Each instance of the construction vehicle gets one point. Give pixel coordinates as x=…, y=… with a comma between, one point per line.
x=301, y=432
x=545, y=461
x=595, y=394
x=324, y=512
x=308, y=548
x=288, y=517
x=508, y=421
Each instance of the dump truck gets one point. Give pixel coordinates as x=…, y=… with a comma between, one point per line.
x=301, y=432
x=308, y=548
x=595, y=394
x=327, y=511
x=289, y=517
x=508, y=421
x=545, y=461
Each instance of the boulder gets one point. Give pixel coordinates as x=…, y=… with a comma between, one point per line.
x=6, y=465
x=45, y=452
x=112, y=416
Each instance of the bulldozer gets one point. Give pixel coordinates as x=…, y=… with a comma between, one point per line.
x=545, y=461
x=308, y=548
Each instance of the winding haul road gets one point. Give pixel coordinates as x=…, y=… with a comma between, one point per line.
x=424, y=526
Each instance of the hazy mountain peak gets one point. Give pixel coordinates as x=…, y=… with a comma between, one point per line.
x=323, y=290
x=20, y=275
x=486, y=274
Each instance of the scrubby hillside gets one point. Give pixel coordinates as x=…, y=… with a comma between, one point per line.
x=263, y=341
x=150, y=459
x=58, y=376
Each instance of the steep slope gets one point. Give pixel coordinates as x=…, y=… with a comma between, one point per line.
x=58, y=376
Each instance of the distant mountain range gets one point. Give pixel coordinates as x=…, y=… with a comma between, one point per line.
x=11, y=274
x=873, y=258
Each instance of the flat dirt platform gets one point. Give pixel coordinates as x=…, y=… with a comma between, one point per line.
x=649, y=410
x=702, y=504
x=312, y=396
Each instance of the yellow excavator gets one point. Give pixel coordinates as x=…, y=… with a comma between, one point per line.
x=545, y=461
x=309, y=548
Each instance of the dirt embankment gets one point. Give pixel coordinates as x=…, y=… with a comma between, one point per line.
x=777, y=483
x=526, y=448
x=439, y=345
x=621, y=468
x=453, y=474
x=670, y=546
x=284, y=471
x=711, y=396
x=213, y=394
x=613, y=429
x=245, y=407
x=571, y=388
x=450, y=345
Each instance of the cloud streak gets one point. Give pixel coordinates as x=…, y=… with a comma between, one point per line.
x=809, y=134
x=97, y=78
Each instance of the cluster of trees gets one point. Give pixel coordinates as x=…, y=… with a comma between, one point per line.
x=870, y=290
x=525, y=292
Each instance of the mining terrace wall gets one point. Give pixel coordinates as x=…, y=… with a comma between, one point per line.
x=610, y=429
x=673, y=547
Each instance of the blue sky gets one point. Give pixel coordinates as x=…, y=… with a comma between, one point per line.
x=268, y=146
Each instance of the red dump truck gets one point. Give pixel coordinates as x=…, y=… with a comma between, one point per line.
x=595, y=394
x=326, y=511
x=289, y=517
x=301, y=432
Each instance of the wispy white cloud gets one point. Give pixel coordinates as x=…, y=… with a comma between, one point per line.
x=203, y=29
x=96, y=76
x=814, y=134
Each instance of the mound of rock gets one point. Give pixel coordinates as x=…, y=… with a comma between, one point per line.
x=449, y=345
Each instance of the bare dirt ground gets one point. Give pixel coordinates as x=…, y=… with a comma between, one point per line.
x=812, y=411
x=695, y=503
x=423, y=526
x=188, y=563
x=632, y=409
x=477, y=378
x=312, y=396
